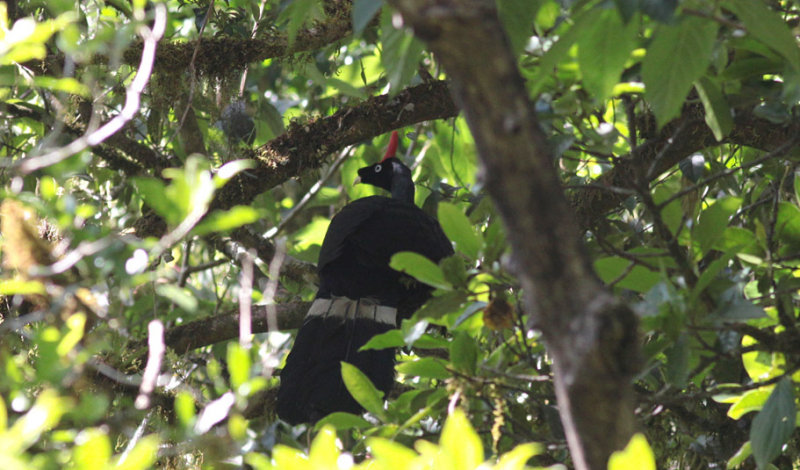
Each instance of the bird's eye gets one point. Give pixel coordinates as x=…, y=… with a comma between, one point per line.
x=378, y=168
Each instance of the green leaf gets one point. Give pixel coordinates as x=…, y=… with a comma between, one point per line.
x=18, y=286
x=224, y=221
x=341, y=420
x=45, y=413
x=639, y=278
x=627, y=8
x=718, y=111
x=154, y=193
x=752, y=400
x=420, y=268
x=787, y=224
x=797, y=188
x=362, y=389
x=426, y=367
x=659, y=10
x=734, y=307
x=93, y=450
x=3, y=415
x=774, y=424
x=708, y=275
x=67, y=85
x=768, y=27
x=740, y=456
x=231, y=169
x=603, y=48
x=464, y=353
x=677, y=57
x=713, y=221
x=323, y=452
x=184, y=408
x=363, y=12
x=298, y=13
x=391, y=454
x=761, y=365
x=517, y=17
x=389, y=339
x=286, y=457
x=401, y=54
x=460, y=442
x=637, y=454
x=142, y=456
x=183, y=298
x=455, y=271
x=238, y=364
x=556, y=53
x=677, y=370
x=460, y=230
x=516, y=458
x=441, y=305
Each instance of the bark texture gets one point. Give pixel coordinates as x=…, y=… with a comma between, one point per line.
x=590, y=335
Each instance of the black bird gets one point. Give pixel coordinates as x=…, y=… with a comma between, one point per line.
x=359, y=294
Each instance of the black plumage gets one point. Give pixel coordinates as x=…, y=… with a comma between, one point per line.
x=355, y=276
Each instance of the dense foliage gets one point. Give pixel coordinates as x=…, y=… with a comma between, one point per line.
x=169, y=170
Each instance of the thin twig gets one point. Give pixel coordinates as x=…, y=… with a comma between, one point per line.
x=271, y=233
x=155, y=342
x=129, y=110
x=189, y=270
x=246, y=301
x=778, y=152
x=192, y=74
x=272, y=284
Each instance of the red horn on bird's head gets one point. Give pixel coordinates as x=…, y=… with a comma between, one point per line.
x=392, y=148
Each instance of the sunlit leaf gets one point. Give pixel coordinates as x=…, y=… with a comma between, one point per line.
x=389, y=339
x=93, y=449
x=323, y=452
x=223, y=221
x=751, y=400
x=362, y=389
x=637, y=454
x=458, y=228
x=341, y=420
x=238, y=360
x=391, y=454
x=460, y=441
x=142, y=456
x=420, y=268
x=426, y=367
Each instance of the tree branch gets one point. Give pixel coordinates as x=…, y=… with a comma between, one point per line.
x=591, y=336
x=679, y=139
x=218, y=56
x=307, y=146
x=211, y=330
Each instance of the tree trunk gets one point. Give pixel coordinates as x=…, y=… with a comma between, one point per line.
x=590, y=335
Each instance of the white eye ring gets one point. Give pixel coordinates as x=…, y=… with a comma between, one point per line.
x=378, y=168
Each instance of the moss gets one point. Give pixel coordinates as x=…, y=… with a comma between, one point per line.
x=23, y=249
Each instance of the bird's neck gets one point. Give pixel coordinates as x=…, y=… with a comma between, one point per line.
x=403, y=190
x=402, y=187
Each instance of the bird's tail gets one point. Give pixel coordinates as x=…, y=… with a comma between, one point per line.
x=334, y=329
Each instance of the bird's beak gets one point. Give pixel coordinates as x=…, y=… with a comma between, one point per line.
x=357, y=180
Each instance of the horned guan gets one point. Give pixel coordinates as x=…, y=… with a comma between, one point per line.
x=359, y=295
